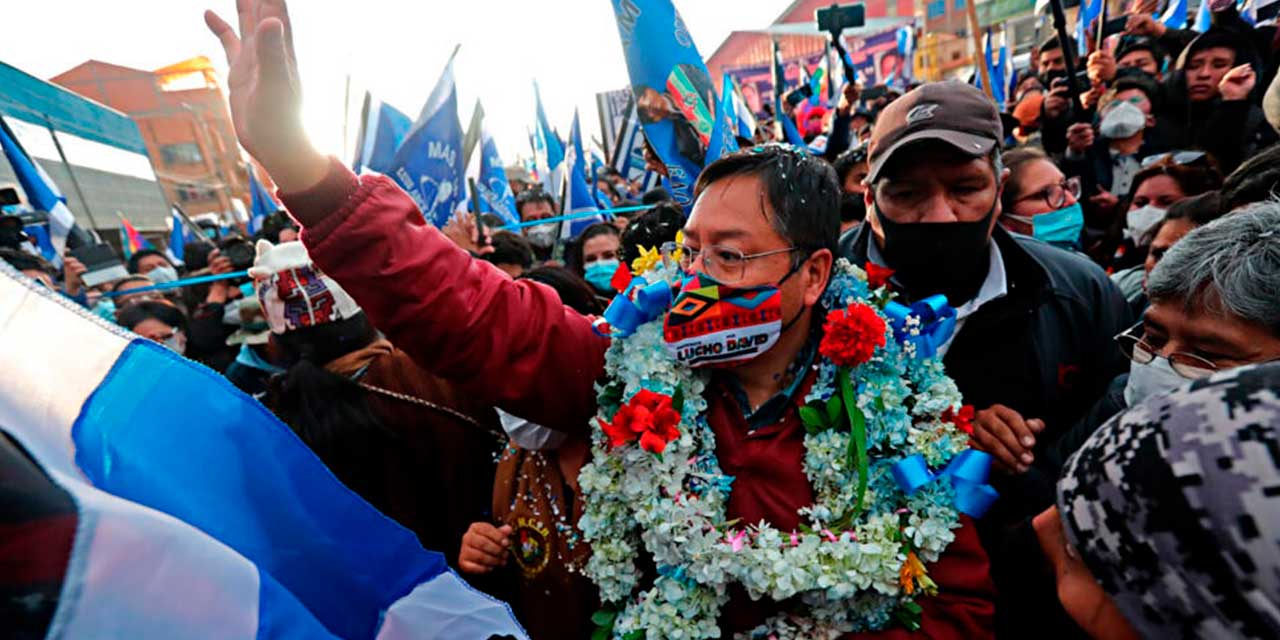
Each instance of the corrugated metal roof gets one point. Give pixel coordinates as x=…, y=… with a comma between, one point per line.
x=29, y=98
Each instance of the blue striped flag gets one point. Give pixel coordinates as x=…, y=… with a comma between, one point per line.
x=579, y=197
x=42, y=195
x=261, y=203
x=176, y=251
x=199, y=514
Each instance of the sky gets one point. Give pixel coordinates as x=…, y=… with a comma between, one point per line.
x=395, y=49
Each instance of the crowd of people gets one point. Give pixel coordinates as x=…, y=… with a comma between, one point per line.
x=1112, y=257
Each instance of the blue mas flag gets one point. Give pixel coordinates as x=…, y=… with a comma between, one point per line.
x=579, y=197
x=199, y=514
x=428, y=166
x=675, y=97
x=495, y=192
x=792, y=133
x=384, y=129
x=263, y=204
x=42, y=194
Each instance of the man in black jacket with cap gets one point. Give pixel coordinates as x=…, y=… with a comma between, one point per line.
x=1033, y=344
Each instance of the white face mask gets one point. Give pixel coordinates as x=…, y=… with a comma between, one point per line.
x=1152, y=379
x=177, y=343
x=542, y=236
x=163, y=274
x=528, y=435
x=1122, y=120
x=1139, y=221
x=231, y=313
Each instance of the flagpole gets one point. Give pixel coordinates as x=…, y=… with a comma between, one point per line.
x=346, y=114
x=978, y=51
x=75, y=184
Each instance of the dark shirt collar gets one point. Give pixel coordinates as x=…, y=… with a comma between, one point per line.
x=773, y=409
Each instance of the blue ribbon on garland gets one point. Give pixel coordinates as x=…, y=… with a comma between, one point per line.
x=639, y=303
x=968, y=472
x=937, y=323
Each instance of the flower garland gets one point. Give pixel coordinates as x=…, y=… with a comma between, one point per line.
x=654, y=484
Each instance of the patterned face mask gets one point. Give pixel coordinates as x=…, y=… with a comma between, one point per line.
x=1173, y=505
x=711, y=324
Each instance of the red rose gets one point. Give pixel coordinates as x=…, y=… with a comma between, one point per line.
x=877, y=276
x=852, y=335
x=648, y=417
x=962, y=419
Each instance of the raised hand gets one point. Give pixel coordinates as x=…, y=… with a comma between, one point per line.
x=265, y=93
x=1237, y=83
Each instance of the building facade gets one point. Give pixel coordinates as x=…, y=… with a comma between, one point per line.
x=186, y=125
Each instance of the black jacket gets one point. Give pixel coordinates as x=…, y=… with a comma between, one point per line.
x=1045, y=350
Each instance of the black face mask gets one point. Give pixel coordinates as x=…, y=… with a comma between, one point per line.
x=951, y=258
x=853, y=208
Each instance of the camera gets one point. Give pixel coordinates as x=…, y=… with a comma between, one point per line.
x=238, y=250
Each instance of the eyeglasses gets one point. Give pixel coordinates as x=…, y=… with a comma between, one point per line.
x=1189, y=366
x=1055, y=195
x=1179, y=157
x=726, y=264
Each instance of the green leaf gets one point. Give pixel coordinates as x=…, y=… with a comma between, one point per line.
x=638, y=634
x=812, y=419
x=908, y=613
x=857, y=439
x=833, y=410
x=604, y=618
x=600, y=633
x=677, y=399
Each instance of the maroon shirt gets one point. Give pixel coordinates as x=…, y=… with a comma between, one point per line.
x=514, y=345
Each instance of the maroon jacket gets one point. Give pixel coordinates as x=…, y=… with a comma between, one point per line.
x=513, y=345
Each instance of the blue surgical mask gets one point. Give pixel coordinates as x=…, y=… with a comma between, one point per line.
x=163, y=274
x=600, y=273
x=1059, y=228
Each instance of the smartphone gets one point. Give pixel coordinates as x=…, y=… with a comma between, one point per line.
x=877, y=91
x=100, y=262
x=796, y=96
x=1112, y=27
x=838, y=18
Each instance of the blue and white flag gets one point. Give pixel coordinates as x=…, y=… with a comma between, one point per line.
x=42, y=195
x=907, y=49
x=743, y=118
x=490, y=175
x=723, y=141
x=675, y=97
x=548, y=149
x=792, y=134
x=199, y=514
x=176, y=251
x=1204, y=19
x=261, y=204
x=1248, y=11
x=383, y=130
x=578, y=196
x=1175, y=15
x=1088, y=12
x=429, y=164
x=999, y=72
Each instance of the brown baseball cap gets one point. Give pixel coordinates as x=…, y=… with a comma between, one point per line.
x=952, y=111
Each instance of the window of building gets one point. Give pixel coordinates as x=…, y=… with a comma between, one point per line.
x=184, y=153
x=194, y=193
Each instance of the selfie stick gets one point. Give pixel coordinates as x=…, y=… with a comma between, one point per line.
x=1068, y=56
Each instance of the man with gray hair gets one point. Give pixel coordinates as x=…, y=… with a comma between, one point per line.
x=1215, y=305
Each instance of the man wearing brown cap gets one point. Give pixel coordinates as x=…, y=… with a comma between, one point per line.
x=1032, y=347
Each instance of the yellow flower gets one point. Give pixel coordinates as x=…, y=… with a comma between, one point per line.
x=648, y=259
x=914, y=576
x=679, y=252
